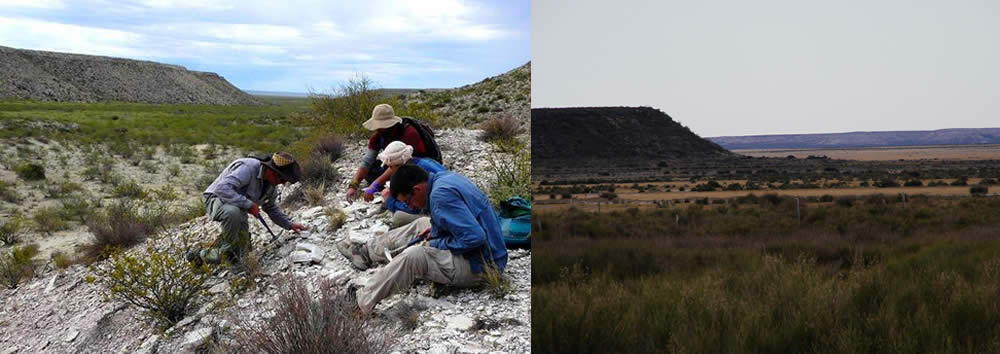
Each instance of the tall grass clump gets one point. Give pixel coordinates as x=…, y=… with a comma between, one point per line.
x=49, y=219
x=304, y=323
x=10, y=230
x=159, y=282
x=509, y=175
x=122, y=225
x=16, y=265
x=343, y=110
x=502, y=128
x=8, y=193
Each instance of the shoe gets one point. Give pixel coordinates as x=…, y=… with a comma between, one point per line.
x=357, y=254
x=193, y=256
x=344, y=246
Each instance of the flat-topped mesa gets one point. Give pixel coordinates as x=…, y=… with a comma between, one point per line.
x=614, y=134
x=65, y=77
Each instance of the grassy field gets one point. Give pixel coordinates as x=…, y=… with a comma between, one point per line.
x=867, y=274
x=260, y=128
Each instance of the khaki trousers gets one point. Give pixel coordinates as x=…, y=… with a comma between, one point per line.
x=416, y=262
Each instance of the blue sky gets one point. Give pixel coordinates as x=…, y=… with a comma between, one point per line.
x=294, y=46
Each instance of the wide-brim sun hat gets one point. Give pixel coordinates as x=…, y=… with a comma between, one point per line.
x=285, y=165
x=382, y=117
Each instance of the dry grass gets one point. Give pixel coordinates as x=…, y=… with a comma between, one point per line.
x=329, y=323
x=314, y=194
x=336, y=216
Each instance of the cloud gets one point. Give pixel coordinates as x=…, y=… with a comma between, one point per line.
x=34, y=4
x=432, y=19
x=52, y=36
x=239, y=32
x=188, y=4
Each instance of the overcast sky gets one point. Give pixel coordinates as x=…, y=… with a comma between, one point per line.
x=774, y=67
x=287, y=45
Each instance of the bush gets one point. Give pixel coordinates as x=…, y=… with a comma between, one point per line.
x=913, y=183
x=77, y=209
x=302, y=324
x=887, y=183
x=8, y=193
x=331, y=146
x=17, y=265
x=979, y=189
x=496, y=282
x=961, y=181
x=336, y=216
x=318, y=170
x=160, y=282
x=120, y=226
x=826, y=198
x=30, y=171
x=49, y=219
x=129, y=189
x=10, y=230
x=509, y=177
x=61, y=260
x=503, y=128
x=350, y=105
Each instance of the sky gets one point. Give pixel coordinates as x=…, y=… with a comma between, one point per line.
x=289, y=45
x=774, y=67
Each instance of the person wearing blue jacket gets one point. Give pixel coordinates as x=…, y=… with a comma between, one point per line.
x=463, y=230
x=396, y=154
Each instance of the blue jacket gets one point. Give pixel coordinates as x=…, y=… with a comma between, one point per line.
x=428, y=165
x=463, y=221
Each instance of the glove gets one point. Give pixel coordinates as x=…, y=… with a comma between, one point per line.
x=254, y=210
x=373, y=188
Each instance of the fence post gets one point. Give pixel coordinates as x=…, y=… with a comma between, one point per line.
x=904, y=199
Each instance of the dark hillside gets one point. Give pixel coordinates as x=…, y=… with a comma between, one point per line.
x=614, y=133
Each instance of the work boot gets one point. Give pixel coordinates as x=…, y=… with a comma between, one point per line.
x=193, y=256
x=356, y=253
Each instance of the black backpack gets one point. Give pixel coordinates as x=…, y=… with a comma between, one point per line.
x=427, y=135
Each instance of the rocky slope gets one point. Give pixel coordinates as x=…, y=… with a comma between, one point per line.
x=61, y=311
x=50, y=76
x=505, y=94
x=862, y=139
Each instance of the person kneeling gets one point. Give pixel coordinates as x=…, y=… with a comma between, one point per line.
x=464, y=235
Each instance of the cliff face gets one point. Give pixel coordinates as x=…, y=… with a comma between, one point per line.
x=49, y=76
x=862, y=139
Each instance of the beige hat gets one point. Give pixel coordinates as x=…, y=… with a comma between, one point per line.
x=396, y=153
x=382, y=117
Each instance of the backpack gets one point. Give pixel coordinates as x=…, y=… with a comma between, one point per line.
x=515, y=222
x=427, y=135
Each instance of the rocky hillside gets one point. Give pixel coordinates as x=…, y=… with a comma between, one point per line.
x=50, y=76
x=573, y=135
x=862, y=139
x=505, y=94
x=64, y=310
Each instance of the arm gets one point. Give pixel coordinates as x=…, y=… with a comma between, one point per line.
x=276, y=215
x=227, y=190
x=453, y=215
x=366, y=163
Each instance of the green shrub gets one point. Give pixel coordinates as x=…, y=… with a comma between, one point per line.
x=77, y=209
x=61, y=260
x=8, y=193
x=63, y=189
x=129, y=189
x=979, y=189
x=165, y=193
x=10, y=229
x=509, y=176
x=160, y=283
x=307, y=323
x=961, y=181
x=49, y=219
x=30, y=171
x=17, y=265
x=913, y=183
x=120, y=226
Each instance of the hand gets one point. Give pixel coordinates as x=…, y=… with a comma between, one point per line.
x=254, y=210
x=368, y=197
x=385, y=194
x=299, y=227
x=426, y=234
x=352, y=193
x=371, y=190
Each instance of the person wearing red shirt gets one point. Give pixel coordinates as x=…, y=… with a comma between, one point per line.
x=387, y=127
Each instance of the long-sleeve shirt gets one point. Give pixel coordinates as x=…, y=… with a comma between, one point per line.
x=463, y=221
x=428, y=165
x=242, y=184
